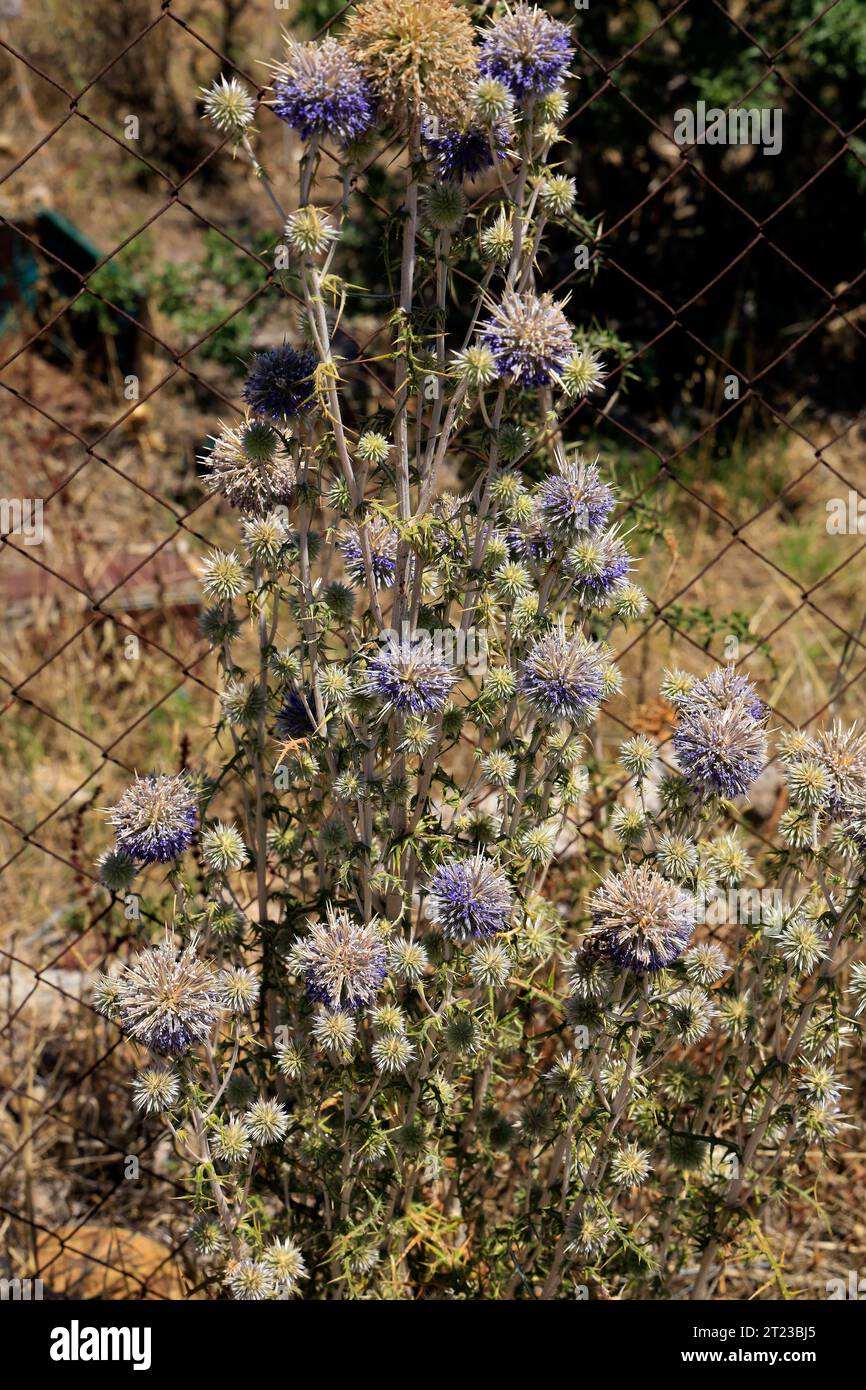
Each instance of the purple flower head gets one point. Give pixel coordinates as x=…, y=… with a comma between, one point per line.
x=529, y=336
x=532, y=544
x=343, y=961
x=562, y=677
x=155, y=819
x=641, y=921
x=599, y=565
x=719, y=740
x=168, y=1002
x=296, y=718
x=279, y=382
x=573, y=500
x=469, y=898
x=383, y=552
x=456, y=155
x=321, y=90
x=527, y=51
x=410, y=677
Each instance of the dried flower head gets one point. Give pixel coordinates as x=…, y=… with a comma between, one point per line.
x=343, y=961
x=250, y=468
x=416, y=54
x=168, y=1002
x=641, y=920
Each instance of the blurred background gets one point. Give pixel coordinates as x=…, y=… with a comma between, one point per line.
x=136, y=278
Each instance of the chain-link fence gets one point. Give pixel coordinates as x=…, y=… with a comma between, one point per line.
x=139, y=600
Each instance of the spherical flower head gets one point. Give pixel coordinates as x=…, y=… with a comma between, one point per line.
x=116, y=870
x=310, y=231
x=155, y=819
x=556, y=194
x=630, y=1165
x=267, y=1121
x=599, y=564
x=719, y=740
x=250, y=468
x=529, y=336
x=319, y=89
x=561, y=677
x=445, y=207
x=279, y=382
x=409, y=677
x=493, y=102
x=582, y=374
x=641, y=921
x=574, y=500
x=223, y=576
x=223, y=848
x=373, y=447
x=841, y=753
x=527, y=51
x=239, y=989
x=229, y=106
x=334, y=1030
x=251, y=1281
x=705, y=963
x=393, y=1053
x=470, y=898
x=455, y=154
x=343, y=961
x=416, y=54
x=382, y=538
x=690, y=1014
x=490, y=965
x=168, y=1002
x=475, y=365
x=155, y=1089
x=286, y=1263
x=407, y=960
x=497, y=244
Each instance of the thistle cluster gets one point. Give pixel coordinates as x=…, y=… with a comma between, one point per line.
x=462, y=1004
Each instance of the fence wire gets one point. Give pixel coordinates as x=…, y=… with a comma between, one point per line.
x=48, y=1244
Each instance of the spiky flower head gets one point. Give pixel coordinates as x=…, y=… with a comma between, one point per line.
x=840, y=753
x=629, y=1165
x=456, y=154
x=719, y=740
x=728, y=860
x=223, y=576
x=155, y=1089
x=574, y=500
x=343, y=961
x=286, y=1263
x=250, y=468
x=165, y=1001
x=297, y=716
x=251, y=1281
x=267, y=1121
x=587, y=1232
x=641, y=920
x=556, y=194
x=310, y=231
x=599, y=564
x=392, y=1053
x=279, y=382
x=223, y=848
x=407, y=960
x=415, y=54
x=445, y=207
x=562, y=677
x=155, y=819
x=638, y=755
x=582, y=374
x=476, y=365
x=497, y=243
x=117, y=869
x=677, y=856
x=526, y=50
x=705, y=963
x=382, y=538
x=334, y=1031
x=493, y=102
x=239, y=988
x=228, y=105
x=490, y=965
x=529, y=336
x=373, y=447
x=409, y=677
x=469, y=898
x=319, y=89
x=690, y=1013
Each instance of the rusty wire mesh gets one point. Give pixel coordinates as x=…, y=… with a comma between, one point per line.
x=52, y=835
